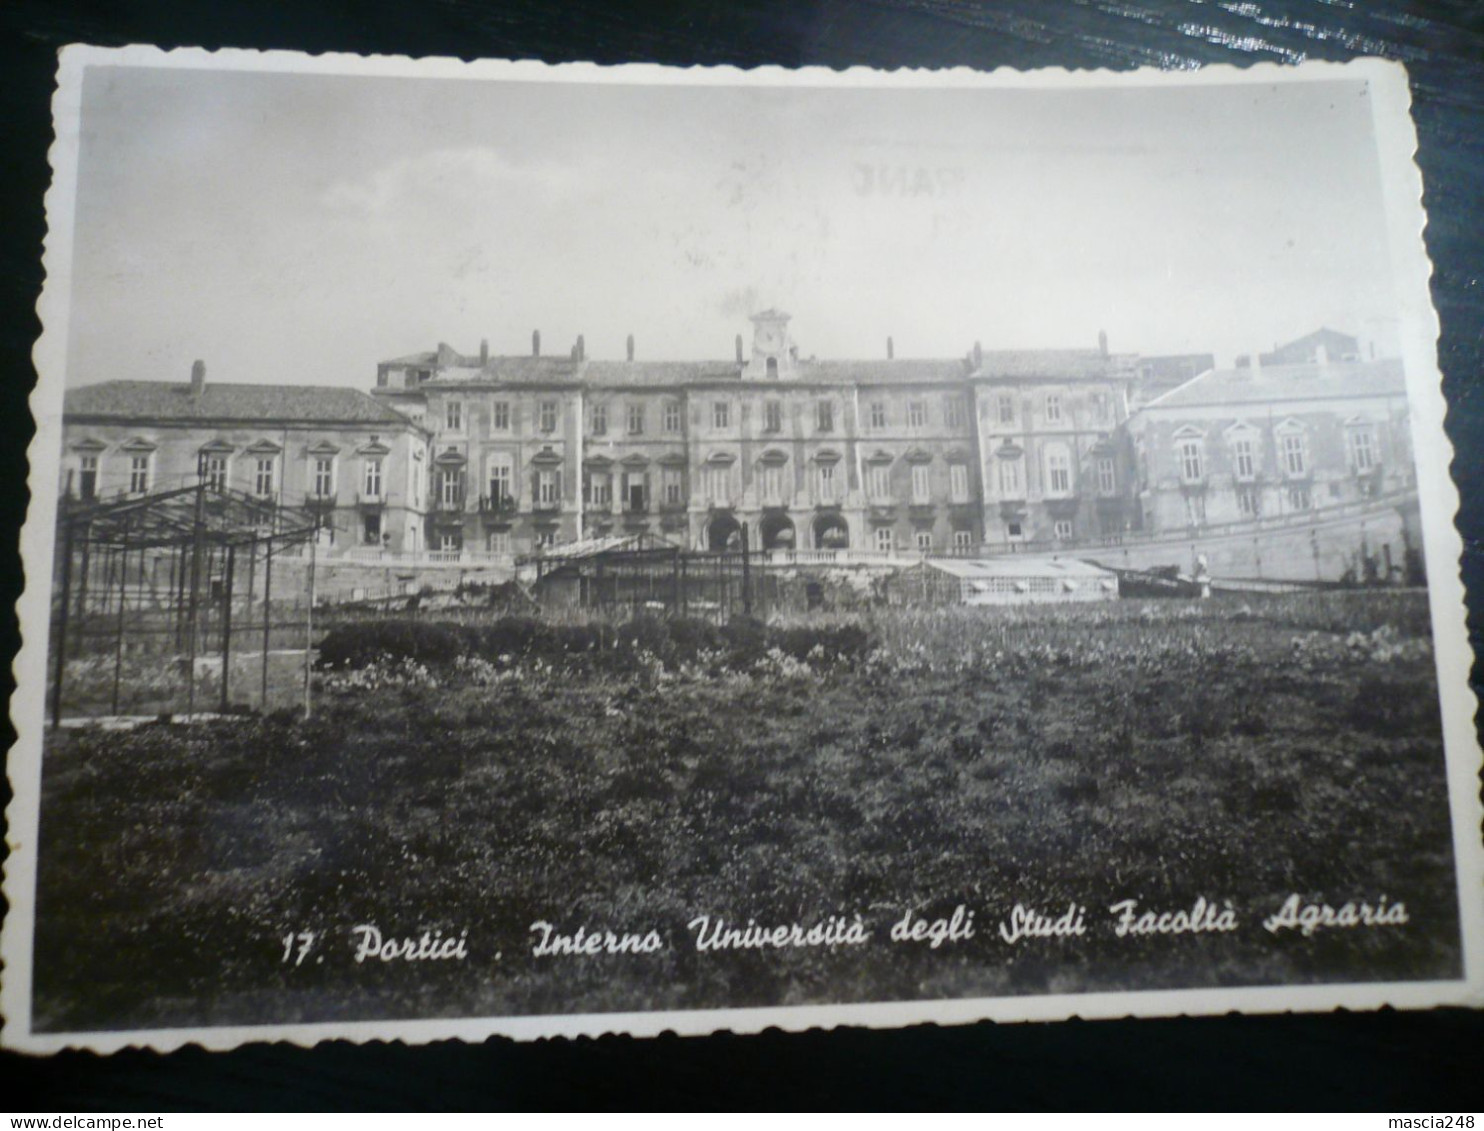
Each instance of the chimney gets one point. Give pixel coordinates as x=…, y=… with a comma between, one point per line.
x=535, y=343
x=1256, y=363
x=891, y=348
x=629, y=347
x=1103, y=342
x=484, y=351
x=580, y=350
x=1321, y=354
x=739, y=349
x=978, y=356
x=198, y=378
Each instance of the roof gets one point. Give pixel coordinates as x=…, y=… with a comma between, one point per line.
x=1052, y=364
x=1044, y=364
x=517, y=369
x=169, y=402
x=592, y=547
x=1018, y=565
x=1271, y=383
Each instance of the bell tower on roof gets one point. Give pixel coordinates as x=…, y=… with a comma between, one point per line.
x=773, y=351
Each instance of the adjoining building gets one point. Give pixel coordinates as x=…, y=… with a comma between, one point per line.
x=1325, y=445
x=353, y=461
x=934, y=456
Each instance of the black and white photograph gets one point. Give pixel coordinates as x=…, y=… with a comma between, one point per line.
x=541, y=550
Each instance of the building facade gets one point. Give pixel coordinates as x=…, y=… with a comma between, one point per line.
x=885, y=455
x=1268, y=441
x=351, y=459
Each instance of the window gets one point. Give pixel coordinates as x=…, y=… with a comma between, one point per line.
x=214, y=472
x=721, y=414
x=548, y=488
x=772, y=484
x=772, y=367
x=1300, y=499
x=1010, y=479
x=672, y=416
x=501, y=477
x=1362, y=449
x=453, y=416
x=1249, y=502
x=635, y=491
x=322, y=476
x=1192, y=466
x=828, y=481
x=1062, y=528
x=450, y=493
x=674, y=487
x=545, y=539
x=958, y=482
x=878, y=415
x=1053, y=408
x=263, y=477
x=1006, y=404
x=953, y=412
x=450, y=542
x=922, y=483
x=924, y=541
x=87, y=479
x=598, y=420
x=1195, y=510
x=916, y=414
x=1014, y=531
x=963, y=540
x=548, y=416
x=1058, y=471
x=371, y=528
x=599, y=491
x=636, y=420
x=500, y=416
x=772, y=417
x=1295, y=461
x=1244, y=459
x=878, y=482
x=371, y=479
x=885, y=541
x=718, y=483
x=498, y=541
x=1107, y=476
x=824, y=416
x=1100, y=406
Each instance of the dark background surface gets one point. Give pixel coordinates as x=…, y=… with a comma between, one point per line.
x=1431, y=1061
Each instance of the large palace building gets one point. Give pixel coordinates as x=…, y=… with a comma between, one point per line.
x=960, y=455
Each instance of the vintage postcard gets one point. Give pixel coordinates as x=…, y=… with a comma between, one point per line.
x=556, y=550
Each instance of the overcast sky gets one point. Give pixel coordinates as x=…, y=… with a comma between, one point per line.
x=299, y=228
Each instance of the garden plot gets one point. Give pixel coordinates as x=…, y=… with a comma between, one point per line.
x=463, y=784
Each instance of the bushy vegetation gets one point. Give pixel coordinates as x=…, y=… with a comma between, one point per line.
x=632, y=777
x=610, y=645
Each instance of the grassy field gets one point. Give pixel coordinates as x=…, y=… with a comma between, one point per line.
x=1239, y=752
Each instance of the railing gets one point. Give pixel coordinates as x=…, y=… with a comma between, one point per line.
x=504, y=505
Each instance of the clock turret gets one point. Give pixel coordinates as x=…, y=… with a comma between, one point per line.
x=772, y=348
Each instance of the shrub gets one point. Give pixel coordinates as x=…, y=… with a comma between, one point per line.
x=358, y=645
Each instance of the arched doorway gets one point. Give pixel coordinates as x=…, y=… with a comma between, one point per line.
x=777, y=532
x=723, y=533
x=831, y=532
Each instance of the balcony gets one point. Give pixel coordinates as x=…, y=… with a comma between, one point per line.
x=442, y=504
x=497, y=506
x=546, y=506
x=371, y=499
x=315, y=501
